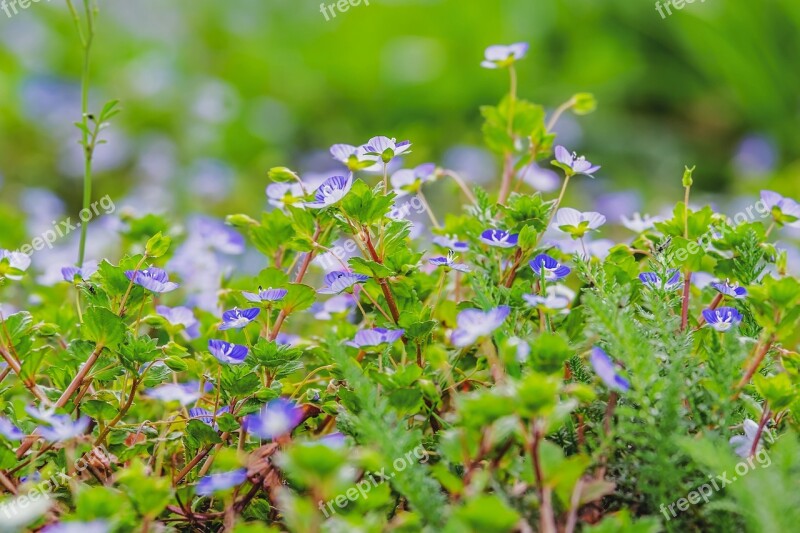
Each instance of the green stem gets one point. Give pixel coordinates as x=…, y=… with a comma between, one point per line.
x=88, y=146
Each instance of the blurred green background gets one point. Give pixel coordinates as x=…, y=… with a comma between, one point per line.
x=215, y=93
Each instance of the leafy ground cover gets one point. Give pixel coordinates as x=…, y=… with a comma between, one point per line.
x=508, y=372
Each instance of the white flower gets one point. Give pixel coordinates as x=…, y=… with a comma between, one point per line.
x=576, y=223
x=742, y=444
x=639, y=223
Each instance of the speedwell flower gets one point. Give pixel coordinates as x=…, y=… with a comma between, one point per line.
x=785, y=211
x=451, y=242
x=500, y=56
x=70, y=273
x=207, y=417
x=408, y=180
x=651, y=279
x=385, y=149
x=449, y=262
x=183, y=393
x=355, y=157
x=17, y=261
x=639, y=223
x=284, y=193
x=181, y=316
x=265, y=295
x=722, y=318
x=153, y=279
x=95, y=526
x=743, y=444
x=338, y=304
x=238, y=318
x=730, y=289
x=225, y=352
x=279, y=417
x=331, y=191
x=578, y=224
x=369, y=338
x=552, y=270
x=208, y=485
x=339, y=281
x=499, y=238
x=474, y=324
x=556, y=297
x=574, y=164
x=10, y=431
x=62, y=428
x=604, y=368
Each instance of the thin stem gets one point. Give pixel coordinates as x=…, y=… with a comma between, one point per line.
x=761, y=424
x=428, y=209
x=508, y=163
x=88, y=145
x=558, y=112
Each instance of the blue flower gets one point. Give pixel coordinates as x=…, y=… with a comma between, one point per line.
x=184, y=393
x=385, y=149
x=95, y=526
x=375, y=337
x=722, y=318
x=208, y=485
x=279, y=417
x=556, y=297
x=450, y=242
x=730, y=289
x=331, y=191
x=339, y=281
x=574, y=164
x=355, y=157
x=449, y=262
x=268, y=295
x=651, y=279
x=499, y=238
x=338, y=304
x=604, y=368
x=785, y=211
x=206, y=417
x=474, y=324
x=181, y=316
x=62, y=428
x=217, y=235
x=552, y=270
x=238, y=318
x=153, y=279
x=70, y=273
x=10, y=431
x=500, y=56
x=333, y=440
x=225, y=352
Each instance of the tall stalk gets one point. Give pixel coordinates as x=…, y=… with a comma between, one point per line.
x=87, y=37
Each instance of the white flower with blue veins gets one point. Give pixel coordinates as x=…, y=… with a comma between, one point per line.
x=576, y=223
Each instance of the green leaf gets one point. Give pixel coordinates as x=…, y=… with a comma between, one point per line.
x=99, y=410
x=103, y=327
x=200, y=434
x=488, y=514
